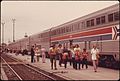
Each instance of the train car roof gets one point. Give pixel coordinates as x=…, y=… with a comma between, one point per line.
x=89, y=15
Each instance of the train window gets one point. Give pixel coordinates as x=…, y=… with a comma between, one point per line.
x=103, y=19
x=59, y=30
x=72, y=27
x=98, y=20
x=67, y=29
x=92, y=22
x=82, y=24
x=75, y=27
x=64, y=30
x=51, y=33
x=89, y=44
x=110, y=17
x=54, y=32
x=79, y=25
x=85, y=44
x=88, y=23
x=116, y=16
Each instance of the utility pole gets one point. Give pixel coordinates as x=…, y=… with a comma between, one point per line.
x=3, y=32
x=2, y=45
x=13, y=30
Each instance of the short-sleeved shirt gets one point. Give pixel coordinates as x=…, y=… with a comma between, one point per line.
x=77, y=50
x=52, y=51
x=84, y=55
x=94, y=53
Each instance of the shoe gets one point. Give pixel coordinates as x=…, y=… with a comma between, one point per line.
x=95, y=71
x=55, y=68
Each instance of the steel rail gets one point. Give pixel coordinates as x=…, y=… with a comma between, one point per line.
x=12, y=69
x=40, y=72
x=35, y=69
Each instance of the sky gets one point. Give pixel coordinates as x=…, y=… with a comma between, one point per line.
x=35, y=16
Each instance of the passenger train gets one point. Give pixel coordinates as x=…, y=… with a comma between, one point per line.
x=100, y=27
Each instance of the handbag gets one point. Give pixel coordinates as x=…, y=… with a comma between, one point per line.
x=97, y=55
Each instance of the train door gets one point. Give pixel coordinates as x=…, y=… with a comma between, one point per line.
x=85, y=45
x=70, y=43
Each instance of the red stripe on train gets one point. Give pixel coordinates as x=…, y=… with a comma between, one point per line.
x=94, y=32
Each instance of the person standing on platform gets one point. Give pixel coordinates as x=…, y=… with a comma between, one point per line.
x=43, y=54
x=53, y=56
x=32, y=54
x=60, y=50
x=37, y=54
x=70, y=56
x=95, y=56
x=73, y=55
x=84, y=60
x=65, y=56
x=77, y=52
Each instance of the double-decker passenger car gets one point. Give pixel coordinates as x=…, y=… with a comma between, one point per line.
x=100, y=27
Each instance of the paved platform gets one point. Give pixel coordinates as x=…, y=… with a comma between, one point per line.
x=71, y=74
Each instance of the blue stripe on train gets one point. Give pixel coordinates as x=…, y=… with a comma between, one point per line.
x=101, y=37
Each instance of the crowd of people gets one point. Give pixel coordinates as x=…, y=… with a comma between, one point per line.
x=74, y=55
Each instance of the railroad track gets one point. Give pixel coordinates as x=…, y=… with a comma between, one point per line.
x=17, y=70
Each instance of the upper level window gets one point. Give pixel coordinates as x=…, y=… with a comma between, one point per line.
x=78, y=26
x=110, y=17
x=88, y=23
x=82, y=24
x=72, y=28
x=103, y=19
x=92, y=22
x=98, y=20
x=67, y=29
x=116, y=16
x=64, y=30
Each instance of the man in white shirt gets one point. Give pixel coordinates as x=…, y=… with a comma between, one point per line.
x=95, y=52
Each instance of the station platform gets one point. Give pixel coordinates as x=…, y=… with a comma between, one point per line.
x=71, y=74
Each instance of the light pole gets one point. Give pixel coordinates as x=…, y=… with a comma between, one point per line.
x=13, y=30
x=3, y=32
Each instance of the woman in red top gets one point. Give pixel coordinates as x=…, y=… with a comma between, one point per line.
x=77, y=52
x=84, y=60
